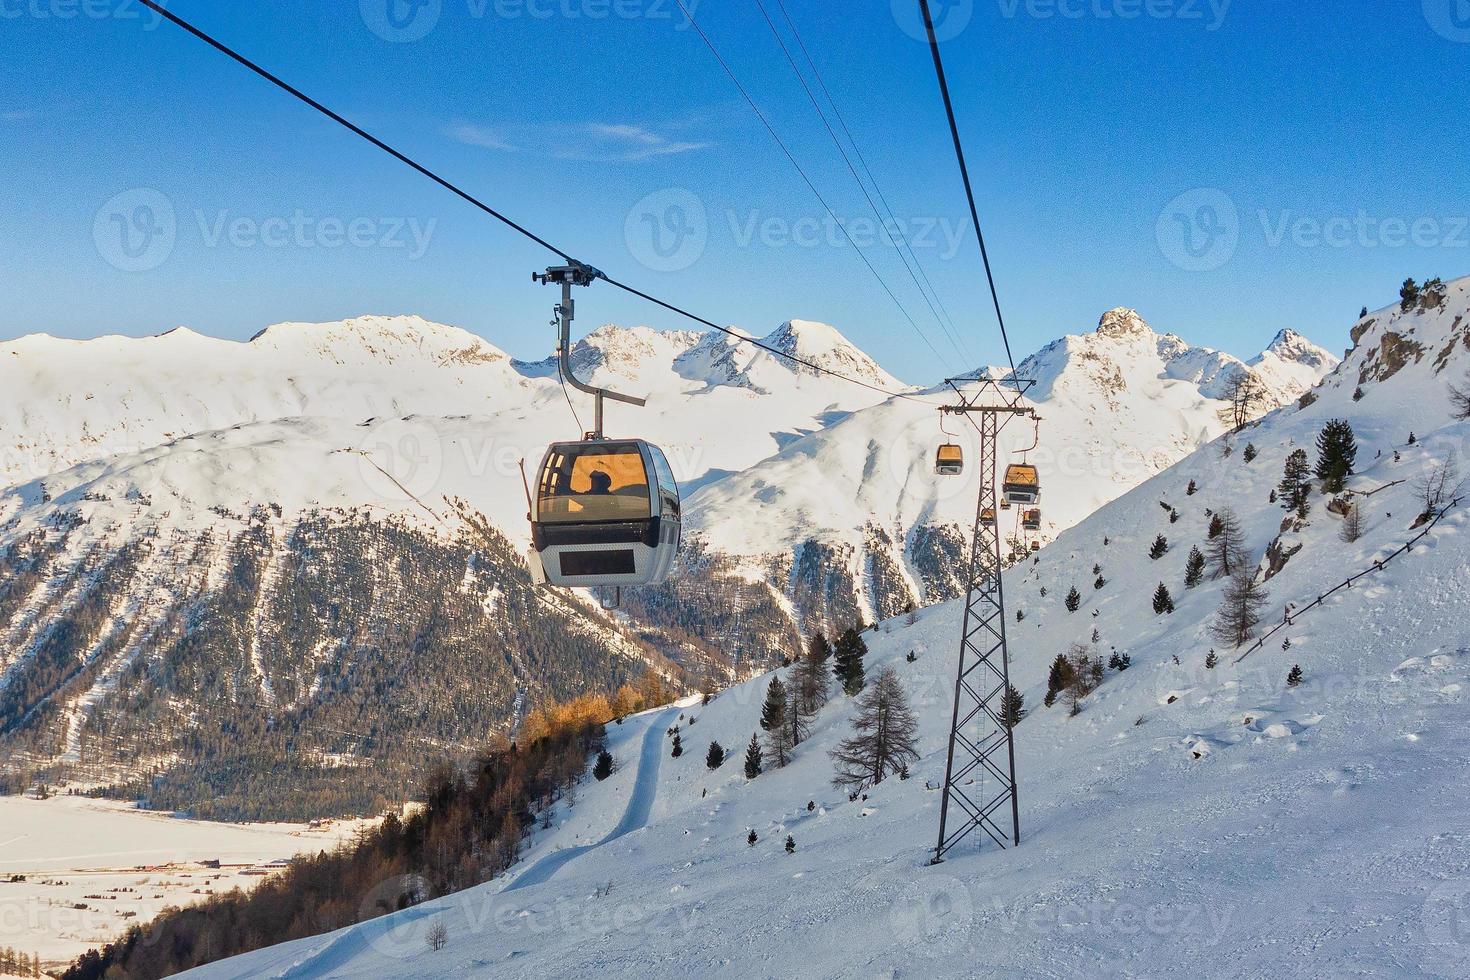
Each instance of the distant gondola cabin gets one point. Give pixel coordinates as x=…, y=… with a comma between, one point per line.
x=949, y=460
x=1021, y=484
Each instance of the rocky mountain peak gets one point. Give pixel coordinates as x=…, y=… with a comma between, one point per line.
x=1123, y=322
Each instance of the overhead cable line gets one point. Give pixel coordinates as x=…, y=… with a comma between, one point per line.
x=959, y=151
x=807, y=180
x=902, y=243
x=739, y=337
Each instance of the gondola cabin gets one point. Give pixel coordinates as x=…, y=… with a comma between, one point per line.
x=1021, y=484
x=1036, y=546
x=987, y=517
x=1005, y=504
x=604, y=512
x=1031, y=521
x=949, y=460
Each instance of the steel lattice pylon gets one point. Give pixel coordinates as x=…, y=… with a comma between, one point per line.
x=980, y=768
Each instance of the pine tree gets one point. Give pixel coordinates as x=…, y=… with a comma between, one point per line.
x=811, y=682
x=790, y=844
x=885, y=733
x=751, y=838
x=1163, y=602
x=678, y=748
x=775, y=724
x=1074, y=599
x=1012, y=707
x=847, y=662
x=1217, y=524
x=1059, y=678
x=1211, y=660
x=1240, y=607
x=1194, y=568
x=1227, y=549
x=1408, y=296
x=1337, y=451
x=1192, y=489
x=1296, y=482
x=604, y=766
x=1294, y=676
x=753, y=758
x=1160, y=548
x=715, y=758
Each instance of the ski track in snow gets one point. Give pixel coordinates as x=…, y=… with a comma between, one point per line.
x=635, y=817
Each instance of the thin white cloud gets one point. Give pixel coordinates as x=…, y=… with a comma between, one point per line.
x=595, y=141
x=481, y=136
x=17, y=115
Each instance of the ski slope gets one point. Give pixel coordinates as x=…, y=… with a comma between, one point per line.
x=1188, y=822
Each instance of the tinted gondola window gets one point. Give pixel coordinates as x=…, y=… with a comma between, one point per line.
x=594, y=482
x=667, y=487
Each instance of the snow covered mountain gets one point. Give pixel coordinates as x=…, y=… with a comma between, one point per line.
x=261, y=489
x=851, y=523
x=1188, y=816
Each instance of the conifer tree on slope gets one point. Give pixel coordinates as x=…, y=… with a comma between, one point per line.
x=884, y=737
x=1337, y=452
x=775, y=724
x=1163, y=602
x=847, y=662
x=1296, y=482
x=1194, y=568
x=811, y=684
x=753, y=758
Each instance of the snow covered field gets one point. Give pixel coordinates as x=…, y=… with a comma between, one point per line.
x=75, y=872
x=1190, y=821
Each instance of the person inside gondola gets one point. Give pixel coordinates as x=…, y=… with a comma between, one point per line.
x=601, y=483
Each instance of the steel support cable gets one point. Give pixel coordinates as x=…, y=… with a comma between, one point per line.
x=821, y=114
x=953, y=332
x=750, y=101
x=959, y=151
x=469, y=198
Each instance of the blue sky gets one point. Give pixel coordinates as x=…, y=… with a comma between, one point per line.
x=1228, y=169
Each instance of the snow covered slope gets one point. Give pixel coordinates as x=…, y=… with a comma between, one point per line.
x=1188, y=818
x=63, y=402
x=860, y=499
